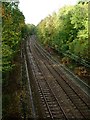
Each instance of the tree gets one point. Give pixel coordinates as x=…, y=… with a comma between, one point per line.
x=12, y=24
x=67, y=31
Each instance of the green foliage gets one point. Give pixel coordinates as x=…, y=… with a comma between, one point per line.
x=28, y=29
x=67, y=30
x=12, y=25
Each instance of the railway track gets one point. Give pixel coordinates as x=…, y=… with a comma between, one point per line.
x=60, y=97
x=49, y=100
x=72, y=95
x=61, y=74
x=85, y=87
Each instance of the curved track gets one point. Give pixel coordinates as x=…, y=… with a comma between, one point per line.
x=61, y=98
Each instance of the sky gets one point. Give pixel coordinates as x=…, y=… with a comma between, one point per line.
x=36, y=10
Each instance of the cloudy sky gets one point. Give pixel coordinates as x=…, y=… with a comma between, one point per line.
x=35, y=10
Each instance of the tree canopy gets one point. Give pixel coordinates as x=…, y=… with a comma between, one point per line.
x=12, y=25
x=67, y=31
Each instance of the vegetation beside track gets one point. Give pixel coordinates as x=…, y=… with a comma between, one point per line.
x=14, y=32
x=66, y=33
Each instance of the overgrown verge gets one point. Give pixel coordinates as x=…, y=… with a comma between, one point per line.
x=12, y=25
x=15, y=86
x=12, y=91
x=66, y=33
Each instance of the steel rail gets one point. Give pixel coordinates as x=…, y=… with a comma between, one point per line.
x=67, y=84
x=51, y=90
